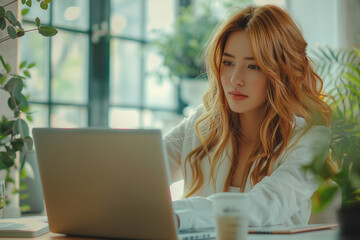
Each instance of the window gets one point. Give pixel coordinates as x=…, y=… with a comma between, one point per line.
x=96, y=71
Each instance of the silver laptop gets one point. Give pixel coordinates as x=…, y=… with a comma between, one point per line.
x=107, y=183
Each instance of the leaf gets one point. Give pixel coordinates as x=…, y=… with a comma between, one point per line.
x=37, y=21
x=44, y=5
x=28, y=117
x=47, y=31
x=26, y=73
x=12, y=32
x=14, y=85
x=2, y=23
x=21, y=127
x=31, y=65
x=12, y=105
x=23, y=1
x=22, y=162
x=25, y=11
x=17, y=145
x=2, y=12
x=7, y=127
x=18, y=76
x=6, y=160
x=23, y=64
x=28, y=3
x=2, y=79
x=5, y=65
x=11, y=17
x=323, y=197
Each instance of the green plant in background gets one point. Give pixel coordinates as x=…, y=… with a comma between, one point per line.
x=341, y=72
x=14, y=130
x=182, y=48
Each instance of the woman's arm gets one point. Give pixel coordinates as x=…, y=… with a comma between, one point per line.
x=275, y=199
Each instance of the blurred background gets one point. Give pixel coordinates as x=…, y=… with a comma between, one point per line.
x=137, y=63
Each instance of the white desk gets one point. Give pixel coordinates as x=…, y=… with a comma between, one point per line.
x=331, y=234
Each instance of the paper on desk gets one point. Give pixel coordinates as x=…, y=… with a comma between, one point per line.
x=24, y=227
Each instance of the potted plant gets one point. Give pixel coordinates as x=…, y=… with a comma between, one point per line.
x=343, y=164
x=181, y=50
x=14, y=131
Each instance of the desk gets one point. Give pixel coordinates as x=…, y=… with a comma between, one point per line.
x=331, y=234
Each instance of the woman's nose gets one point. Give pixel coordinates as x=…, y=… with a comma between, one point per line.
x=238, y=77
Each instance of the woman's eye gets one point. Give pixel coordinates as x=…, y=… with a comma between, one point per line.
x=255, y=67
x=228, y=63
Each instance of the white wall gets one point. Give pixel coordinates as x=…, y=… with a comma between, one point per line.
x=327, y=22
x=9, y=51
x=317, y=19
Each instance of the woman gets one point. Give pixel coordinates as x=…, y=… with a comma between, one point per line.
x=262, y=120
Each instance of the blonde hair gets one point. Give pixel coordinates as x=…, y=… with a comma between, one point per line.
x=294, y=90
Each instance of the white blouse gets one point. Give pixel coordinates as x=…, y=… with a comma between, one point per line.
x=281, y=198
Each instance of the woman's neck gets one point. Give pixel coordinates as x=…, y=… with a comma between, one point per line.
x=250, y=126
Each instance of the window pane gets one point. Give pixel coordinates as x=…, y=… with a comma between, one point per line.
x=68, y=117
x=124, y=118
x=160, y=120
x=40, y=116
x=36, y=11
x=125, y=72
x=71, y=13
x=34, y=48
x=159, y=17
x=162, y=92
x=126, y=18
x=70, y=68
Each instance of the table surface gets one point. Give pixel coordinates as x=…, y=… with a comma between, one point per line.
x=331, y=234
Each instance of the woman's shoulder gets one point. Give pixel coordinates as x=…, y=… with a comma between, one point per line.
x=302, y=130
x=312, y=138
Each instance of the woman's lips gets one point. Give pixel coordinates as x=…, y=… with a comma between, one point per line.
x=236, y=95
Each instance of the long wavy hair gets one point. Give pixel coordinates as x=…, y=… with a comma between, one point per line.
x=294, y=89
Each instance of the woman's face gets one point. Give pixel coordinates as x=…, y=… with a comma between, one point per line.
x=245, y=85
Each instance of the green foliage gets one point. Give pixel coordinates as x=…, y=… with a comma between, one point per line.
x=14, y=130
x=341, y=70
x=13, y=27
x=182, y=48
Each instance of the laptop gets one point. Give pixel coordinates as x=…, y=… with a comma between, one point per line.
x=107, y=183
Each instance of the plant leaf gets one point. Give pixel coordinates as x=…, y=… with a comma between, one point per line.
x=2, y=12
x=44, y=5
x=14, y=85
x=28, y=3
x=37, y=21
x=26, y=73
x=17, y=145
x=5, y=65
x=7, y=127
x=25, y=11
x=31, y=65
x=47, y=31
x=12, y=32
x=2, y=23
x=6, y=160
x=11, y=18
x=21, y=127
x=23, y=64
x=23, y=1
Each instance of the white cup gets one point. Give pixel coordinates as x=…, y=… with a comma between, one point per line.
x=231, y=215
